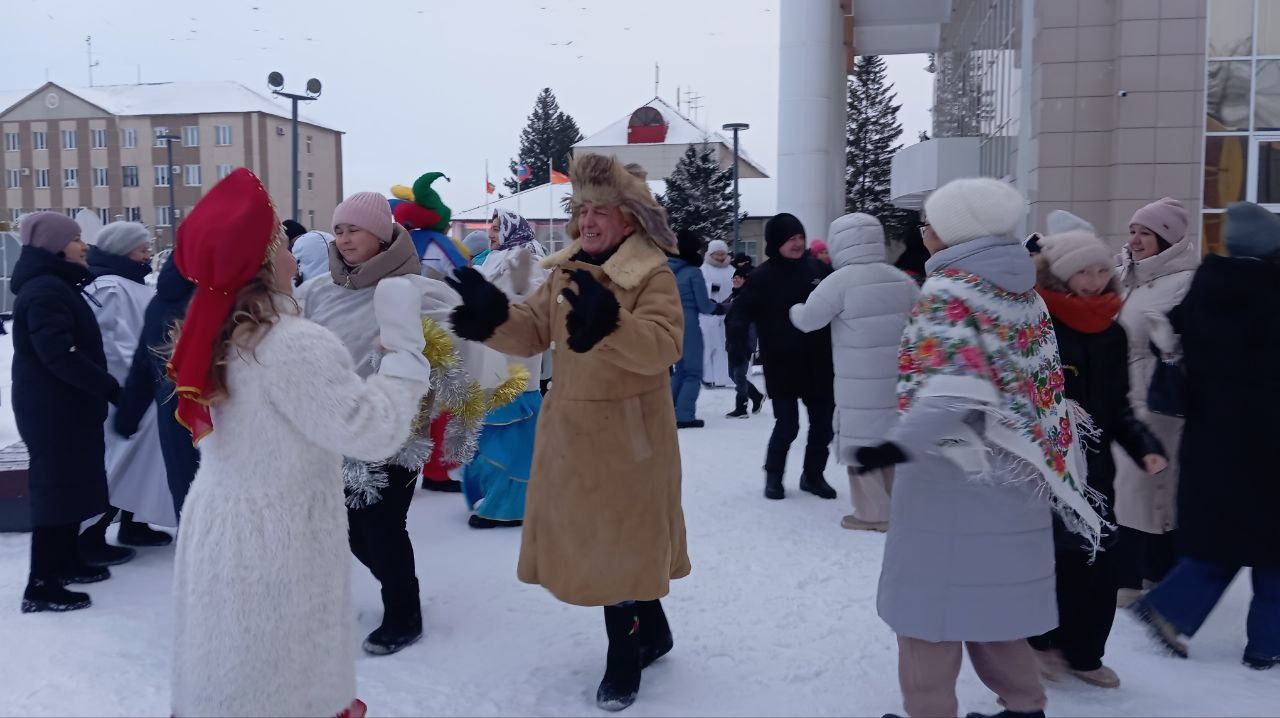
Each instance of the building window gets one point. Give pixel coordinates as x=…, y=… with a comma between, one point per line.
x=133, y=214
x=11, y=142
x=98, y=138
x=71, y=177
x=308, y=144
x=42, y=179
x=162, y=175
x=71, y=212
x=311, y=180
x=104, y=215
x=100, y=177
x=224, y=170
x=311, y=218
x=39, y=140
x=68, y=139
x=191, y=136
x=13, y=178
x=129, y=175
x=128, y=138
x=160, y=133
x=223, y=135
x=162, y=216
x=14, y=214
x=193, y=175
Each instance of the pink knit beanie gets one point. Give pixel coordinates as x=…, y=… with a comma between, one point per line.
x=50, y=231
x=368, y=211
x=1166, y=217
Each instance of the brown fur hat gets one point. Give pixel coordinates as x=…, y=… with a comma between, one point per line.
x=606, y=180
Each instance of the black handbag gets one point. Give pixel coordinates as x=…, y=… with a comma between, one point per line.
x=1167, y=394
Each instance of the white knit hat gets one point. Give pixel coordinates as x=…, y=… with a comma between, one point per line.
x=1070, y=252
x=974, y=207
x=122, y=237
x=717, y=245
x=1060, y=220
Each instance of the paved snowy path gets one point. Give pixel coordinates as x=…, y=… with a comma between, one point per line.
x=778, y=618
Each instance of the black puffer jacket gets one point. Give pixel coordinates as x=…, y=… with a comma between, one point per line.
x=1096, y=367
x=60, y=388
x=1229, y=488
x=795, y=363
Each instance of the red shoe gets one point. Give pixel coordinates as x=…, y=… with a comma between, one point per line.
x=355, y=710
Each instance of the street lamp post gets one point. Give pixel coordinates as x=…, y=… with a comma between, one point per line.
x=173, y=217
x=276, y=81
x=736, y=127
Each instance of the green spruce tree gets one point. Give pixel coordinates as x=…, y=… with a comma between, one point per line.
x=699, y=194
x=550, y=134
x=871, y=133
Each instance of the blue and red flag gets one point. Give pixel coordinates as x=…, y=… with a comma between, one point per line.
x=523, y=173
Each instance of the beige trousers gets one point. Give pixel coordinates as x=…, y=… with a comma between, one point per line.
x=927, y=673
x=870, y=493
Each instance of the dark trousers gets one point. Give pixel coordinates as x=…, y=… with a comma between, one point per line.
x=739, y=371
x=1142, y=556
x=54, y=551
x=1086, y=609
x=379, y=537
x=821, y=407
x=1192, y=589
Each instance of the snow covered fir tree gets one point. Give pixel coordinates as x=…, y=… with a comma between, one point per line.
x=872, y=131
x=699, y=194
x=549, y=135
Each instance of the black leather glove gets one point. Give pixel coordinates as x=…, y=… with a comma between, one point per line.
x=594, y=315
x=484, y=307
x=720, y=310
x=871, y=458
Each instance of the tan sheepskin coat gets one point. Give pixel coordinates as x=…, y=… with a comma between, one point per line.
x=603, y=521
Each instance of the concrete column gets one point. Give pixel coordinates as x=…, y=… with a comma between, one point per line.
x=811, y=111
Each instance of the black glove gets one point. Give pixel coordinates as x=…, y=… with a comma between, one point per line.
x=720, y=310
x=870, y=458
x=594, y=315
x=484, y=307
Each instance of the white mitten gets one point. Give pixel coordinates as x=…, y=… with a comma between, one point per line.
x=521, y=268
x=397, y=305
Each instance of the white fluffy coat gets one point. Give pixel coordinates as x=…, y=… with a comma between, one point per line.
x=867, y=302
x=715, y=359
x=262, y=621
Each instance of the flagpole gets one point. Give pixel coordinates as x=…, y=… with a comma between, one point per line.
x=551, y=188
x=486, y=191
x=519, y=187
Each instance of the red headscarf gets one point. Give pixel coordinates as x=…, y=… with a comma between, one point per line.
x=221, y=246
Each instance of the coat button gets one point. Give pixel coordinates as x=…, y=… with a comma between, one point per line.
x=559, y=299
x=553, y=346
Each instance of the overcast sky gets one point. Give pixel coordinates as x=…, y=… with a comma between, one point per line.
x=422, y=85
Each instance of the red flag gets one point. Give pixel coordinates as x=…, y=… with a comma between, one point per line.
x=558, y=177
x=488, y=187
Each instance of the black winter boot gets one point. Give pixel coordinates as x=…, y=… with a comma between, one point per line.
x=479, y=522
x=1258, y=663
x=773, y=487
x=1007, y=714
x=739, y=411
x=655, y=632
x=757, y=402
x=95, y=551
x=135, y=533
x=85, y=573
x=817, y=485
x=401, y=621
x=621, y=681
x=42, y=595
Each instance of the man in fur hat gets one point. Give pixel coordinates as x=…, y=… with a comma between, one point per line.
x=603, y=520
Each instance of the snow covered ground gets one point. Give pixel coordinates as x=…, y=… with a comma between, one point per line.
x=778, y=618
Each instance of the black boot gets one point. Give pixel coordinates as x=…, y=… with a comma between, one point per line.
x=817, y=485
x=479, y=522
x=1258, y=663
x=773, y=486
x=134, y=533
x=691, y=424
x=1008, y=714
x=401, y=621
x=95, y=551
x=739, y=411
x=85, y=573
x=621, y=680
x=757, y=402
x=451, y=486
x=42, y=595
x=655, y=632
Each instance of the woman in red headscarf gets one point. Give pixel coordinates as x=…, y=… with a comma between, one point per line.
x=262, y=621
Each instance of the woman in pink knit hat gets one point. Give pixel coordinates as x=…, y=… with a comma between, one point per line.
x=1158, y=263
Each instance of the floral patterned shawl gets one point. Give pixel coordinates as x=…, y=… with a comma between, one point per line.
x=995, y=351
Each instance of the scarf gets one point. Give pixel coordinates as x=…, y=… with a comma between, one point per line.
x=1090, y=315
x=995, y=352
x=398, y=259
x=102, y=263
x=513, y=230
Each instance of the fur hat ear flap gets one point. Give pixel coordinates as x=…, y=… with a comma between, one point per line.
x=653, y=220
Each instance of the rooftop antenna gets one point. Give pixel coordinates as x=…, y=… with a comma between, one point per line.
x=88, y=41
x=656, y=71
x=694, y=102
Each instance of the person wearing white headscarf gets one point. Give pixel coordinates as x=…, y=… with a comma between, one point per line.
x=718, y=272
x=312, y=252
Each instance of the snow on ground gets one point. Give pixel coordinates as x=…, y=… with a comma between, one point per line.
x=778, y=618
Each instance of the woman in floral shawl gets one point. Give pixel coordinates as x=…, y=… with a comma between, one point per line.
x=988, y=448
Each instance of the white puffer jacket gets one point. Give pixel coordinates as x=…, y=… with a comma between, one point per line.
x=867, y=302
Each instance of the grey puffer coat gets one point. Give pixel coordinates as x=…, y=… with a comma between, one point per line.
x=966, y=560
